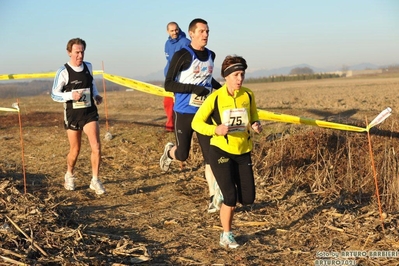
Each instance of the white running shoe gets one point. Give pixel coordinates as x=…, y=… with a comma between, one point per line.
x=217, y=197
x=97, y=186
x=227, y=240
x=211, y=208
x=165, y=161
x=69, y=182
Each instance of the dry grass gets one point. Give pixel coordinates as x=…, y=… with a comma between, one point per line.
x=315, y=187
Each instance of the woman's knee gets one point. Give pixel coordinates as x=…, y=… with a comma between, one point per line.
x=230, y=199
x=248, y=199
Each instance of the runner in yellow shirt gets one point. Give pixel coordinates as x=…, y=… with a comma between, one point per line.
x=233, y=112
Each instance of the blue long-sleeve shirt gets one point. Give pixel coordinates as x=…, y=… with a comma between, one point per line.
x=174, y=45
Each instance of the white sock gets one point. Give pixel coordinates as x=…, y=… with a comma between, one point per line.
x=210, y=179
x=225, y=234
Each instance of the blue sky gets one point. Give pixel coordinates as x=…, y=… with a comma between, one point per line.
x=129, y=35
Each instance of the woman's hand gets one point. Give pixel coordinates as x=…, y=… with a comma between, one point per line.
x=221, y=130
x=257, y=127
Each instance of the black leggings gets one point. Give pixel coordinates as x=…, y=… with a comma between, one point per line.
x=234, y=175
x=184, y=133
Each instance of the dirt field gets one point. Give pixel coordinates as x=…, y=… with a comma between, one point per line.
x=315, y=187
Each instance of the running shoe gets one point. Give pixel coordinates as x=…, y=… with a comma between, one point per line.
x=165, y=161
x=227, y=240
x=211, y=207
x=69, y=182
x=97, y=186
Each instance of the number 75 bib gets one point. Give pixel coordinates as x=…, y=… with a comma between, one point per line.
x=236, y=119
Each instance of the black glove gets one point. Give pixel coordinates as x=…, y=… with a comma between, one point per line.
x=201, y=91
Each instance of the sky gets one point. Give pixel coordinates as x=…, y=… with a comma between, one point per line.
x=128, y=36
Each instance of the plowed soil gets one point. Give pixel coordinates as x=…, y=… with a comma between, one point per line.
x=316, y=195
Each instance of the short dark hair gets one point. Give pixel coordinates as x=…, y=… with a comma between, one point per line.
x=73, y=41
x=193, y=24
x=171, y=23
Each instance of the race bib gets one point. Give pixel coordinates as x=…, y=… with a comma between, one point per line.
x=196, y=100
x=84, y=101
x=236, y=119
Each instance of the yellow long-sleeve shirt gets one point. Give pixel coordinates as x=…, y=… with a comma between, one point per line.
x=238, y=112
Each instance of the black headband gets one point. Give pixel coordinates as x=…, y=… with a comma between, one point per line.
x=233, y=68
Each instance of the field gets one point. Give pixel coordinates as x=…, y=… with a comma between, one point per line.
x=316, y=194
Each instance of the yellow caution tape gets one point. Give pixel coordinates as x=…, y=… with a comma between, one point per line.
x=137, y=85
x=266, y=115
x=130, y=83
x=36, y=75
x=8, y=109
x=27, y=76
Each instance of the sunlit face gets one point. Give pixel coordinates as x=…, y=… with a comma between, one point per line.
x=234, y=81
x=173, y=31
x=199, y=37
x=76, y=54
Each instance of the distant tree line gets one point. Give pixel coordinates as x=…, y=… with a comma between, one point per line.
x=15, y=89
x=306, y=73
x=20, y=89
x=295, y=77
x=393, y=68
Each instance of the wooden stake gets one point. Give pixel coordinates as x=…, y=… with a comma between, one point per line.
x=22, y=146
x=375, y=178
x=105, y=100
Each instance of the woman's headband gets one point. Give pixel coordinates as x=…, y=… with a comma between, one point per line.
x=233, y=68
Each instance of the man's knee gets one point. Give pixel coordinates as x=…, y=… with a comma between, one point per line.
x=96, y=148
x=74, y=151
